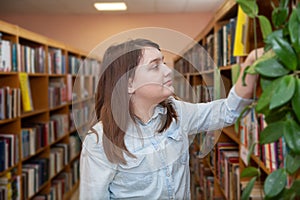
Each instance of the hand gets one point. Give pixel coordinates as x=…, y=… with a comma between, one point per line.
x=252, y=56
x=250, y=80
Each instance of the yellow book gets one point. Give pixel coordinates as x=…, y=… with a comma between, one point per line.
x=25, y=92
x=241, y=34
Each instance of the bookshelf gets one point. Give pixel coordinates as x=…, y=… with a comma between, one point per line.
x=39, y=143
x=217, y=175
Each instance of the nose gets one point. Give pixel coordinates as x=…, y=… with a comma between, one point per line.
x=167, y=70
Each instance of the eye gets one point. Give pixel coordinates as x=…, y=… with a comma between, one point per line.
x=155, y=66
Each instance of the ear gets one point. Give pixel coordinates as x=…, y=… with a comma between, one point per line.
x=130, y=86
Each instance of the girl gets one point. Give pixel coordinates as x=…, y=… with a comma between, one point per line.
x=138, y=146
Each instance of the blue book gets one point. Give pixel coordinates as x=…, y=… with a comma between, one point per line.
x=2, y=155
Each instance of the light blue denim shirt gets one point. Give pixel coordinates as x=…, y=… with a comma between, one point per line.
x=161, y=167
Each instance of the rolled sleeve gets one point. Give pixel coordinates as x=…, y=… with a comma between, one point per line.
x=235, y=103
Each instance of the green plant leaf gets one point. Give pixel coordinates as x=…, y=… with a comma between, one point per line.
x=264, y=82
x=275, y=183
x=265, y=98
x=244, y=76
x=271, y=68
x=265, y=26
x=285, y=53
x=272, y=132
x=289, y=194
x=279, y=114
x=249, y=7
x=292, y=163
x=248, y=189
x=292, y=135
x=237, y=123
x=250, y=152
x=250, y=172
x=294, y=30
x=283, y=3
x=266, y=55
x=296, y=99
x=298, y=11
x=295, y=186
x=272, y=36
x=284, y=92
x=279, y=16
x=250, y=70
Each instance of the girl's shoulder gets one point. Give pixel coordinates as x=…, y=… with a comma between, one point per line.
x=94, y=136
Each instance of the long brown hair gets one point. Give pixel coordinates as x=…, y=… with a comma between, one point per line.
x=112, y=104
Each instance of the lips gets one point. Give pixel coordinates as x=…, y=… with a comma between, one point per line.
x=168, y=83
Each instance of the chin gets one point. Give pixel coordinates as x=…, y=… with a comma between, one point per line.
x=168, y=91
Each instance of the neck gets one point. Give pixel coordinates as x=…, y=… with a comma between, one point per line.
x=143, y=109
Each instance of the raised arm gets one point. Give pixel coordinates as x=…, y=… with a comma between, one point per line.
x=247, y=91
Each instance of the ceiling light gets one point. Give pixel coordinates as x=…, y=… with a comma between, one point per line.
x=112, y=6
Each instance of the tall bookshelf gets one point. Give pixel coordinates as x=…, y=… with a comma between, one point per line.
x=39, y=143
x=217, y=175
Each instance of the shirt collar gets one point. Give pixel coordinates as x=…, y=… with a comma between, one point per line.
x=159, y=109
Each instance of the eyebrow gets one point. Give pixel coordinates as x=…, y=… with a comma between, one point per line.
x=157, y=59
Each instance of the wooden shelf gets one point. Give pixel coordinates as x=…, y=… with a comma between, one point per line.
x=35, y=112
x=42, y=114
x=72, y=191
x=230, y=132
x=6, y=121
x=260, y=164
x=223, y=68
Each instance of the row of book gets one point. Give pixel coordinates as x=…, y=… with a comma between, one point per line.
x=56, y=61
x=83, y=87
x=57, y=92
x=227, y=171
x=225, y=43
x=61, y=184
x=272, y=154
x=10, y=102
x=81, y=114
x=38, y=135
x=15, y=57
x=75, y=145
x=10, y=185
x=31, y=58
x=9, y=150
x=193, y=93
x=83, y=66
x=14, y=101
x=59, y=158
x=203, y=93
x=200, y=58
x=197, y=59
x=36, y=173
x=202, y=184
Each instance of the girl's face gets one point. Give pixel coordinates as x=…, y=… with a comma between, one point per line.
x=153, y=79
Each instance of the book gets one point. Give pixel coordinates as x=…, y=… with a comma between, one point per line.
x=241, y=45
x=25, y=92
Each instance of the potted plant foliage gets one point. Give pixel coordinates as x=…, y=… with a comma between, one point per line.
x=279, y=102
